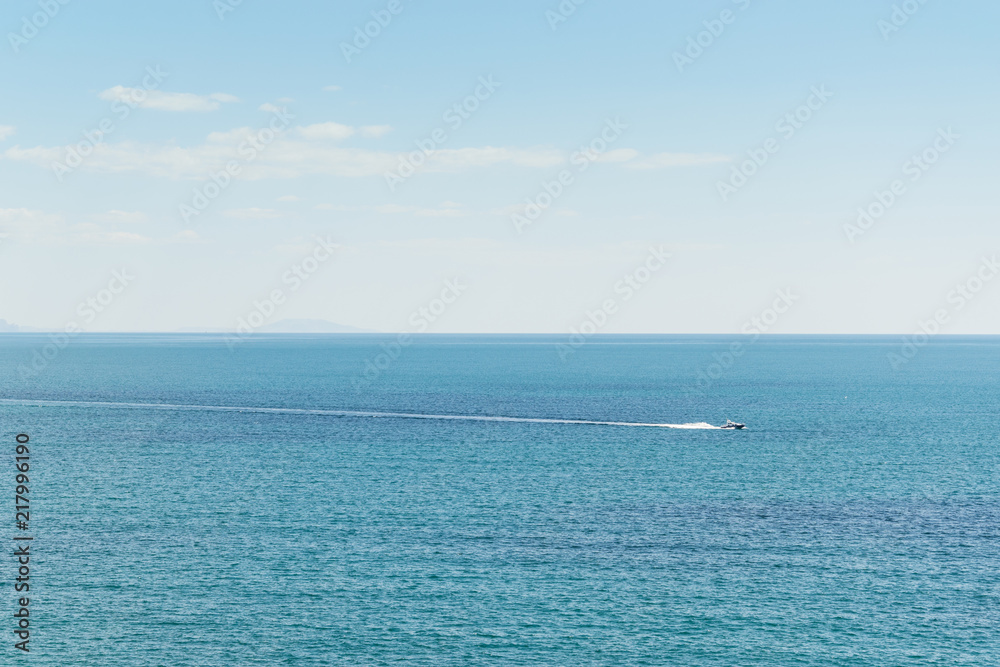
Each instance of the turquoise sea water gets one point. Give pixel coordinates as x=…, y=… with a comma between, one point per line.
x=855, y=522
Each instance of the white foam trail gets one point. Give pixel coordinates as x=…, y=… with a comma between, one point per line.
x=341, y=413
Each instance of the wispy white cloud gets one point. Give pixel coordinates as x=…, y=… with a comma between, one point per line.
x=34, y=226
x=332, y=89
x=462, y=158
x=441, y=212
x=299, y=151
x=670, y=160
x=253, y=213
x=283, y=102
x=6, y=131
x=187, y=236
x=447, y=209
x=375, y=131
x=88, y=233
x=312, y=149
x=617, y=155
x=164, y=101
x=321, y=131
x=119, y=217
x=510, y=209
x=300, y=246
x=20, y=222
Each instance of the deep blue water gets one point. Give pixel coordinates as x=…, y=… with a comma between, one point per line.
x=855, y=522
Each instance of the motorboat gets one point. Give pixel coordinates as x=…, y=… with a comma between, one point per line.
x=731, y=424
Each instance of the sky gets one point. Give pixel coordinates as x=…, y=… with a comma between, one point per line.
x=517, y=166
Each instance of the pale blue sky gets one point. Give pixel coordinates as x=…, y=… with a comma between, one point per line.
x=656, y=185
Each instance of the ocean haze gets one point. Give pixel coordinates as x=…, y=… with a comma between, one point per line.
x=288, y=326
x=281, y=326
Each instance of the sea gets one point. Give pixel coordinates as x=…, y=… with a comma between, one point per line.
x=502, y=500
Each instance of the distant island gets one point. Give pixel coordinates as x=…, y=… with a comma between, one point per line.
x=10, y=327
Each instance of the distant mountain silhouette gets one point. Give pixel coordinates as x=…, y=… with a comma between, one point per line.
x=8, y=327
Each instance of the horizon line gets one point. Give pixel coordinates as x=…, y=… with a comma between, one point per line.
x=38, y=332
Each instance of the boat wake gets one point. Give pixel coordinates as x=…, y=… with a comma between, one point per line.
x=342, y=413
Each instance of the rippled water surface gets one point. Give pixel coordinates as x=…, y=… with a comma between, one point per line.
x=854, y=522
